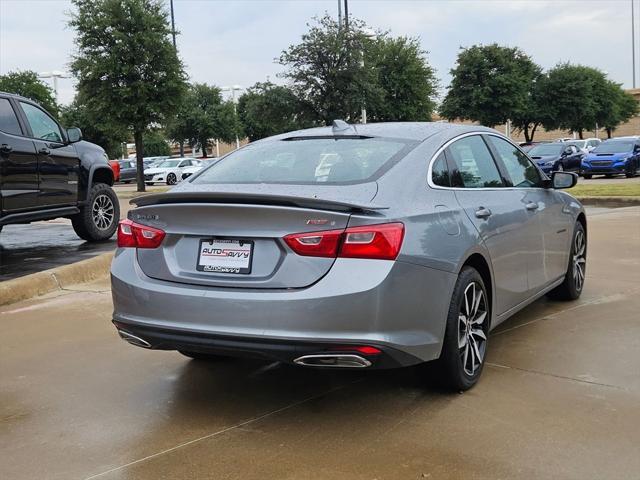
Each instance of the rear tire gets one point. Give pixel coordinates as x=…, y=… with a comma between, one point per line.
x=201, y=356
x=98, y=219
x=587, y=176
x=465, y=340
x=571, y=287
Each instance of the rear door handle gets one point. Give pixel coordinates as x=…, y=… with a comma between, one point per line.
x=531, y=206
x=44, y=151
x=5, y=148
x=483, y=212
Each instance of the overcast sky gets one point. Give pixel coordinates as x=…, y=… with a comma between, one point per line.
x=226, y=42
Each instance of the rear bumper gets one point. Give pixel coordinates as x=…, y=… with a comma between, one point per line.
x=285, y=351
x=397, y=307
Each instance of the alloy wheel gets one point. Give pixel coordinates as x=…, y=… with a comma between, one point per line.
x=472, y=336
x=579, y=260
x=171, y=179
x=102, y=212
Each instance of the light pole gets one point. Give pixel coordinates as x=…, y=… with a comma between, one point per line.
x=233, y=89
x=369, y=34
x=56, y=74
x=633, y=43
x=173, y=26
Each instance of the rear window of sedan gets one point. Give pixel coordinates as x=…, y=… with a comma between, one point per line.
x=308, y=161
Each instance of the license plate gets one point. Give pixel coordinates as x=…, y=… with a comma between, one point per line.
x=223, y=255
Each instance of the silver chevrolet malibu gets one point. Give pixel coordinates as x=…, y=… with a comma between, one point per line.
x=350, y=246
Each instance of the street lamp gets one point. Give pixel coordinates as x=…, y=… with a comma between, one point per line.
x=233, y=89
x=368, y=33
x=56, y=74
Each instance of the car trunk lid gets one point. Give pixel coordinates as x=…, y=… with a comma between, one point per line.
x=201, y=227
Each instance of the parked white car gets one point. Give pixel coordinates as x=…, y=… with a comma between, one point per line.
x=585, y=145
x=187, y=172
x=169, y=171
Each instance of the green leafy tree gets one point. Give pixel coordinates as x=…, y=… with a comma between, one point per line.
x=126, y=65
x=155, y=144
x=27, y=84
x=327, y=71
x=407, y=83
x=203, y=116
x=267, y=109
x=491, y=84
x=575, y=97
x=619, y=107
x=95, y=128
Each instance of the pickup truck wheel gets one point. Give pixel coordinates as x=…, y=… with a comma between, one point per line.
x=98, y=219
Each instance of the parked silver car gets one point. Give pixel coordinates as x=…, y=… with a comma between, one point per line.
x=368, y=246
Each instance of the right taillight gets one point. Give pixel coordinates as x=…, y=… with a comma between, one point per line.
x=135, y=235
x=382, y=242
x=373, y=241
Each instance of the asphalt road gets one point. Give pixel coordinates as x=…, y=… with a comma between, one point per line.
x=559, y=397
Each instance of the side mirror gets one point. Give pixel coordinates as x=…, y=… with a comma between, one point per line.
x=560, y=180
x=74, y=135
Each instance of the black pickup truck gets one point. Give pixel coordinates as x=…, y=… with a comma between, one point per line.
x=48, y=172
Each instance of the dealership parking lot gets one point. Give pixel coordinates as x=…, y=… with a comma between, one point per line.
x=559, y=397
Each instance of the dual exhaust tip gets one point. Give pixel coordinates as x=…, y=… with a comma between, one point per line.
x=339, y=360
x=133, y=340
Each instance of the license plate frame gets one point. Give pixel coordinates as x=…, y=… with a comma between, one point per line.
x=219, y=243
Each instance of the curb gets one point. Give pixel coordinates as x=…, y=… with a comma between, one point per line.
x=55, y=279
x=611, y=202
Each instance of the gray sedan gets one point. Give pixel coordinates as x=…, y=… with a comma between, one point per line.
x=350, y=246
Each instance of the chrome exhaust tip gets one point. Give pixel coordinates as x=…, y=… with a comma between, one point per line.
x=339, y=360
x=133, y=340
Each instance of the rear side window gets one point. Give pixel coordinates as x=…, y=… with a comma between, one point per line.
x=472, y=164
x=307, y=161
x=8, y=119
x=42, y=125
x=520, y=169
x=440, y=172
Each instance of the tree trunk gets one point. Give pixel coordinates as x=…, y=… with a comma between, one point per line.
x=533, y=131
x=137, y=136
x=609, y=132
x=527, y=138
x=580, y=134
x=181, y=148
x=203, y=144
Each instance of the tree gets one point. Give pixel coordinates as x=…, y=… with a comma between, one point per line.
x=27, y=84
x=267, y=109
x=327, y=72
x=95, y=128
x=202, y=116
x=574, y=96
x=407, y=83
x=126, y=65
x=624, y=107
x=491, y=84
x=155, y=144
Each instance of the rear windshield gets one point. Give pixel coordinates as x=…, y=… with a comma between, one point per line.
x=613, y=147
x=307, y=161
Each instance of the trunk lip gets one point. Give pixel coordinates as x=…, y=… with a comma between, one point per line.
x=253, y=198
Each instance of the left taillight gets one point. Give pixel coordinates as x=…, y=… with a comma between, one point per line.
x=135, y=235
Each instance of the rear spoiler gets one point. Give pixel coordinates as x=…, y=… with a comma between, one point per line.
x=251, y=198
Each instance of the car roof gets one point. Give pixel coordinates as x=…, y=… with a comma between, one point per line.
x=417, y=131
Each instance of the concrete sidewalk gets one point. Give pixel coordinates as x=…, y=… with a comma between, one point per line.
x=559, y=398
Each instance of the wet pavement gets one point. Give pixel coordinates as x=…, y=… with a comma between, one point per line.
x=559, y=397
